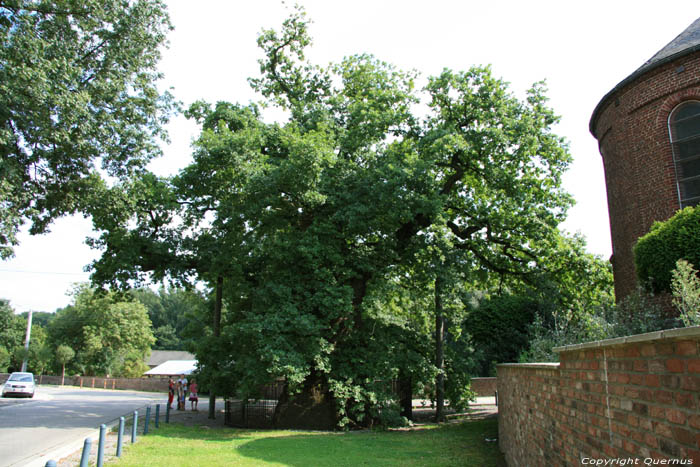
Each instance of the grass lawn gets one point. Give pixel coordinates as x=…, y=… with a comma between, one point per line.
x=452, y=444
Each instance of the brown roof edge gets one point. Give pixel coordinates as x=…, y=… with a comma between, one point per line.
x=640, y=71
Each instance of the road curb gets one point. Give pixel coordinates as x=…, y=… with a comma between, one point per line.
x=72, y=447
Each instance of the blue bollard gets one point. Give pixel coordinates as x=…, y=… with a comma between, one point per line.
x=148, y=418
x=134, y=426
x=157, y=415
x=167, y=414
x=101, y=446
x=51, y=463
x=120, y=437
x=86, y=452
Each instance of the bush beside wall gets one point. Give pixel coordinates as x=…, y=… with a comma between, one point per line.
x=632, y=397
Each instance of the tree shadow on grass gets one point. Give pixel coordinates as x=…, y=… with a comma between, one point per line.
x=460, y=443
x=448, y=445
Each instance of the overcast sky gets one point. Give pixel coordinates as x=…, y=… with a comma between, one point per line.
x=582, y=50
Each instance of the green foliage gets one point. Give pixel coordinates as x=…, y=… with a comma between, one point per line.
x=77, y=86
x=12, y=327
x=685, y=286
x=39, y=318
x=109, y=333
x=43, y=359
x=13, y=330
x=636, y=314
x=390, y=417
x=171, y=311
x=656, y=253
x=64, y=354
x=498, y=328
x=562, y=303
x=4, y=359
x=306, y=219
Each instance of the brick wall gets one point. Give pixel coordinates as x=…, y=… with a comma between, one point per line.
x=635, y=397
x=136, y=384
x=632, y=132
x=484, y=387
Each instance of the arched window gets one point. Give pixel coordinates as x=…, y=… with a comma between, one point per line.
x=684, y=126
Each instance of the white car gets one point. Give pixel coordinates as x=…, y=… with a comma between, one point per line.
x=19, y=384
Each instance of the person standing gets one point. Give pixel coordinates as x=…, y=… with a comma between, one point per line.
x=183, y=381
x=171, y=392
x=180, y=395
x=194, y=398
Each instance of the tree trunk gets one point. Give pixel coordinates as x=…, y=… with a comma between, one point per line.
x=63, y=373
x=312, y=409
x=405, y=394
x=217, y=333
x=439, y=353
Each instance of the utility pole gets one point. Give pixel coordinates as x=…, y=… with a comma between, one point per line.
x=26, y=341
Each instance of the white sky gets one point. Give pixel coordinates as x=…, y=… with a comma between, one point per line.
x=582, y=49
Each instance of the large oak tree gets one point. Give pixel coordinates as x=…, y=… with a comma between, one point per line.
x=310, y=216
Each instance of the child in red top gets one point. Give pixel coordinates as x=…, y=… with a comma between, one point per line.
x=171, y=392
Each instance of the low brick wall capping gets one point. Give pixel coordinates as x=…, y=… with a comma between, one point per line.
x=630, y=397
x=679, y=333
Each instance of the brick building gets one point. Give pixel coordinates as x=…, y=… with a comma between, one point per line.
x=648, y=132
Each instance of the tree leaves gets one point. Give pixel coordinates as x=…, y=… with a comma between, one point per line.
x=77, y=88
x=310, y=220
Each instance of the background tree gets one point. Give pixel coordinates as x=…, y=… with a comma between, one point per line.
x=4, y=359
x=498, y=329
x=40, y=318
x=171, y=311
x=64, y=354
x=110, y=334
x=12, y=331
x=77, y=85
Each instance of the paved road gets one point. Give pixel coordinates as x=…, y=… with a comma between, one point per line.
x=58, y=416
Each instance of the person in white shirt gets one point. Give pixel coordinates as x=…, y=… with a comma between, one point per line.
x=183, y=381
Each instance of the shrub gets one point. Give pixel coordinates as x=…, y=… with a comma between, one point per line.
x=636, y=314
x=656, y=253
x=498, y=327
x=685, y=286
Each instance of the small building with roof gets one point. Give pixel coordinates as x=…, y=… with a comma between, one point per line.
x=170, y=363
x=648, y=132
x=159, y=357
x=173, y=368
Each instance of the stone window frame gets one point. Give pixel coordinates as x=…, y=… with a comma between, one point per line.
x=682, y=200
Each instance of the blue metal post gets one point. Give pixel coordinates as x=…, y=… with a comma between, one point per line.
x=86, y=452
x=120, y=437
x=133, y=427
x=167, y=414
x=157, y=415
x=148, y=418
x=101, y=446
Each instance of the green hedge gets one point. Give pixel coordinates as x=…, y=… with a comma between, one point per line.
x=656, y=253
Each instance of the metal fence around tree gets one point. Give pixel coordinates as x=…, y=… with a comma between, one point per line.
x=254, y=413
